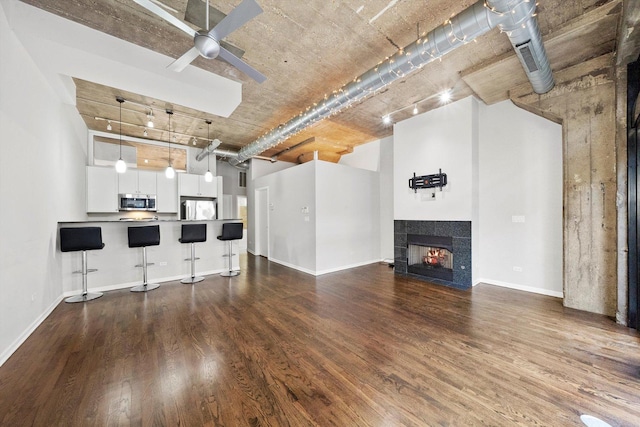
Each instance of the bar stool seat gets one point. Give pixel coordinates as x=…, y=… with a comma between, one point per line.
x=74, y=239
x=193, y=233
x=141, y=237
x=231, y=231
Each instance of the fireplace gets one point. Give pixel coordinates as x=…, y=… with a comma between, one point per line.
x=430, y=256
x=434, y=251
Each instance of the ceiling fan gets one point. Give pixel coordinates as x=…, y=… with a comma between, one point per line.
x=207, y=42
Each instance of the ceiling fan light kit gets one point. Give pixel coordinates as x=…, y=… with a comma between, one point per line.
x=207, y=46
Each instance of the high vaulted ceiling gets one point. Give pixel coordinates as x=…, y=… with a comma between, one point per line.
x=309, y=48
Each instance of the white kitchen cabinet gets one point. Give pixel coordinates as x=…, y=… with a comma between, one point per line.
x=167, y=195
x=102, y=189
x=195, y=186
x=137, y=182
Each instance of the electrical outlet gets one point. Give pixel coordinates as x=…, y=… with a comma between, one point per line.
x=517, y=218
x=33, y=297
x=518, y=269
x=162, y=263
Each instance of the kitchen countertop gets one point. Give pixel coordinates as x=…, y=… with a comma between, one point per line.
x=129, y=221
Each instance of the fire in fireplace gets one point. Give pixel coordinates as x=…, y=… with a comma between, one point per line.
x=430, y=256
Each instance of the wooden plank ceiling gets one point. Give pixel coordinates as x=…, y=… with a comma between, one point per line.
x=310, y=48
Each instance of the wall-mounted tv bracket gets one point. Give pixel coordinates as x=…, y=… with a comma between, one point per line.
x=428, y=181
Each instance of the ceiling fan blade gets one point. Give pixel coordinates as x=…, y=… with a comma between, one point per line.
x=243, y=13
x=154, y=8
x=182, y=62
x=241, y=65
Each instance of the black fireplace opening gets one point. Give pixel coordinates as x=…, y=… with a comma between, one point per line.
x=430, y=256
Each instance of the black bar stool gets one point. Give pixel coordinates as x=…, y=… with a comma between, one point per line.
x=141, y=237
x=82, y=239
x=231, y=231
x=193, y=233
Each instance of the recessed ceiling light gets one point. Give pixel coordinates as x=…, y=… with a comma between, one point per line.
x=415, y=109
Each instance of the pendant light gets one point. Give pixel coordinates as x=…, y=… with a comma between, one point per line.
x=208, y=176
x=169, y=172
x=121, y=166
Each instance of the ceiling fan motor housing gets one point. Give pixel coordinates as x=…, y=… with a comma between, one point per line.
x=206, y=44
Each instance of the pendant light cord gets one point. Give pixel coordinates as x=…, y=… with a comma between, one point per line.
x=170, y=113
x=120, y=101
x=208, y=139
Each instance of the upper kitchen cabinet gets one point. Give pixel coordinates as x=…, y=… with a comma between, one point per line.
x=195, y=186
x=102, y=189
x=167, y=201
x=137, y=182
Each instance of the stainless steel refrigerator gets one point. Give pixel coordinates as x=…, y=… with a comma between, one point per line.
x=192, y=209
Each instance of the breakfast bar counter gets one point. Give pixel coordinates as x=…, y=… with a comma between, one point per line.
x=116, y=262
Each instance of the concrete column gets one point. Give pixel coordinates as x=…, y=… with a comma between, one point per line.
x=584, y=101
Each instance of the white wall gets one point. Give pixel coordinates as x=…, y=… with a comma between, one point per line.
x=292, y=238
x=520, y=175
x=42, y=181
x=348, y=217
x=501, y=162
x=378, y=156
x=440, y=139
x=258, y=168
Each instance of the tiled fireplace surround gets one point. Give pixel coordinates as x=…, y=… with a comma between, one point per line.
x=460, y=234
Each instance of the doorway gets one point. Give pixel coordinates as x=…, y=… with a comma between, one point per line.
x=262, y=222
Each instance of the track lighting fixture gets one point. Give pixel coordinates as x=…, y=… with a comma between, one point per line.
x=208, y=176
x=169, y=172
x=145, y=133
x=109, y=125
x=444, y=97
x=150, y=119
x=194, y=141
x=121, y=166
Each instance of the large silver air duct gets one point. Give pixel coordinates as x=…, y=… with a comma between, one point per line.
x=514, y=17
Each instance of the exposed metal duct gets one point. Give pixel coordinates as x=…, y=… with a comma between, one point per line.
x=520, y=25
x=514, y=17
x=209, y=149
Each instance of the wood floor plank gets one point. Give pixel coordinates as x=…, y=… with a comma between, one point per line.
x=362, y=347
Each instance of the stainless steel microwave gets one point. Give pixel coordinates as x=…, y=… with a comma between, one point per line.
x=137, y=202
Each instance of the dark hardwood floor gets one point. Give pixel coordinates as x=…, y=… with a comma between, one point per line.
x=278, y=347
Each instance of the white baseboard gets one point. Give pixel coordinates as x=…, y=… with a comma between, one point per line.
x=295, y=267
x=520, y=287
x=27, y=332
x=321, y=272
x=346, y=267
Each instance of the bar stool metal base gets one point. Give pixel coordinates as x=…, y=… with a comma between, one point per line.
x=84, y=297
x=191, y=280
x=230, y=273
x=145, y=288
